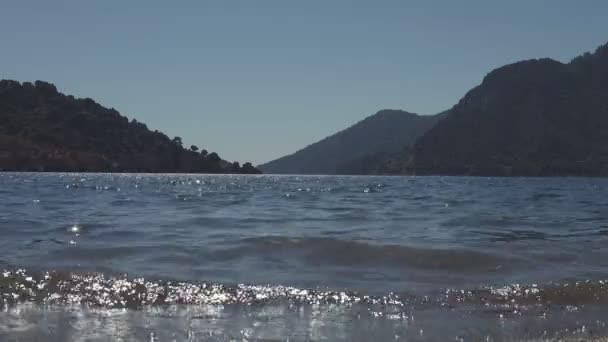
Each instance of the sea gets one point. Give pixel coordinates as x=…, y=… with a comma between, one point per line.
x=148, y=257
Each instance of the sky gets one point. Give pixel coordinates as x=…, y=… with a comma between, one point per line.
x=255, y=80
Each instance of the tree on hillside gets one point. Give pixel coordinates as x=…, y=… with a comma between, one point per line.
x=177, y=141
x=214, y=157
x=193, y=148
x=249, y=168
x=236, y=166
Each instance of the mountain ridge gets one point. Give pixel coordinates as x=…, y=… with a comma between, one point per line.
x=42, y=129
x=386, y=131
x=535, y=117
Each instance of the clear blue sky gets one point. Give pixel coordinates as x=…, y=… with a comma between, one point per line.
x=254, y=80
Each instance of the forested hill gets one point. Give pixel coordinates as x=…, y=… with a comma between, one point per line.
x=42, y=129
x=352, y=150
x=537, y=117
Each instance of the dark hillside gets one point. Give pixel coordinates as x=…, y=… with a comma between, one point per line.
x=350, y=151
x=42, y=129
x=536, y=117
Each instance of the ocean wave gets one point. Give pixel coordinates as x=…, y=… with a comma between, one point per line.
x=326, y=250
x=96, y=289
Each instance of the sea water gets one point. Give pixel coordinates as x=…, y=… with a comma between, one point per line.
x=138, y=257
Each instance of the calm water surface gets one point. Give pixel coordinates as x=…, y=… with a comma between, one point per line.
x=91, y=257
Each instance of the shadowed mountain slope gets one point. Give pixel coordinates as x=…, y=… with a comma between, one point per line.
x=535, y=117
x=384, y=133
x=42, y=129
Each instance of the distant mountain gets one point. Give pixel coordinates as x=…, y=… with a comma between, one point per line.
x=536, y=117
x=42, y=129
x=362, y=148
x=380, y=163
